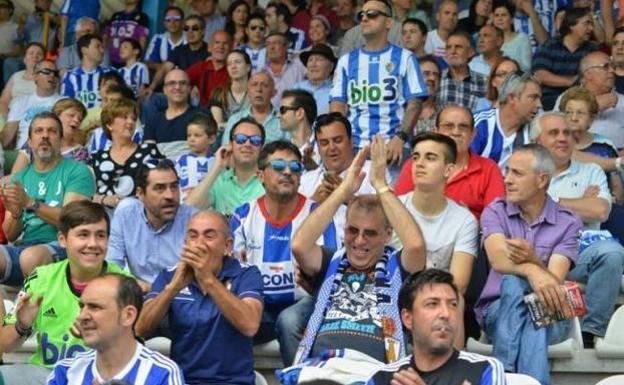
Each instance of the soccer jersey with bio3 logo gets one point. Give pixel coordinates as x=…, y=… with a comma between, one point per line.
x=82, y=85
x=376, y=86
x=57, y=313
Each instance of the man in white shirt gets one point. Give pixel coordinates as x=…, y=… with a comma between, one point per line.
x=447, y=17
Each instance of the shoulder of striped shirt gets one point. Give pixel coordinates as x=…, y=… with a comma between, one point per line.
x=395, y=365
x=81, y=355
x=159, y=359
x=475, y=357
x=484, y=114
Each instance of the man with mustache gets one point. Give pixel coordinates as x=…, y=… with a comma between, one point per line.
x=48, y=302
x=147, y=233
x=429, y=303
x=33, y=199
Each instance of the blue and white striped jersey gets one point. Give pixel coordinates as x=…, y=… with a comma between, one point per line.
x=98, y=140
x=297, y=39
x=376, y=86
x=192, y=169
x=82, y=85
x=257, y=56
x=135, y=76
x=267, y=246
x=146, y=367
x=490, y=140
x=546, y=11
x=160, y=47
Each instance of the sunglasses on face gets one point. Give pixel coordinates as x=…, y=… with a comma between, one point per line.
x=48, y=71
x=371, y=14
x=255, y=140
x=285, y=109
x=193, y=28
x=172, y=18
x=256, y=27
x=279, y=165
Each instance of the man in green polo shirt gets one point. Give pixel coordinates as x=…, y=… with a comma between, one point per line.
x=48, y=302
x=233, y=180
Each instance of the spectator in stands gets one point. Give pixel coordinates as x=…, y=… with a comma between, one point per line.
x=320, y=62
x=393, y=110
x=211, y=73
x=556, y=63
x=49, y=301
x=10, y=50
x=193, y=166
x=213, y=20
x=25, y=108
x=232, y=97
x=490, y=42
x=617, y=57
x=580, y=107
x=236, y=20
x=81, y=82
x=130, y=23
x=68, y=57
x=502, y=129
x=134, y=72
x=319, y=31
x=351, y=317
x=117, y=167
x=260, y=91
x=345, y=10
x=478, y=16
x=460, y=85
x=475, y=181
x=413, y=36
x=502, y=67
x=582, y=188
x=22, y=83
x=167, y=128
x=213, y=304
x=232, y=179
x=110, y=307
x=162, y=44
x=72, y=11
x=278, y=19
x=429, y=301
x=529, y=16
x=354, y=38
x=297, y=114
x=284, y=70
x=254, y=46
x=516, y=44
x=430, y=69
x=147, y=233
x=39, y=26
x=300, y=16
x=520, y=265
x=262, y=236
x=446, y=16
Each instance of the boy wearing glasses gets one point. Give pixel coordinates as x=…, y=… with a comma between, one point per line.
x=262, y=231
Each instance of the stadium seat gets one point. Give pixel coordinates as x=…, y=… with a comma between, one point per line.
x=613, y=380
x=520, y=379
x=564, y=349
x=260, y=380
x=612, y=345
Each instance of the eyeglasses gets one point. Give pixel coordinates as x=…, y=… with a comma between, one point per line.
x=48, y=71
x=352, y=231
x=371, y=14
x=172, y=18
x=256, y=27
x=255, y=140
x=604, y=66
x=173, y=83
x=285, y=109
x=279, y=165
x=570, y=114
x=193, y=28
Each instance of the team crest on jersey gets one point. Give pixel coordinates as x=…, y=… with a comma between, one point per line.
x=389, y=66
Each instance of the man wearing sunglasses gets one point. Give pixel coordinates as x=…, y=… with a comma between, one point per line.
x=162, y=44
x=232, y=180
x=254, y=47
x=356, y=306
x=262, y=231
x=24, y=108
x=382, y=90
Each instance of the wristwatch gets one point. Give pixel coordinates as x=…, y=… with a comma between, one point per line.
x=23, y=331
x=403, y=136
x=34, y=207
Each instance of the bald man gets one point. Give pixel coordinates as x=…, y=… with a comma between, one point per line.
x=211, y=73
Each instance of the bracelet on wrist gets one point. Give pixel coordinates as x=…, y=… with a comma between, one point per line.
x=22, y=330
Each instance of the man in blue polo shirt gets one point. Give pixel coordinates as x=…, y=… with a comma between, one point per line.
x=213, y=305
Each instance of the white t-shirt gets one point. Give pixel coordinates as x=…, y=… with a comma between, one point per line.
x=24, y=109
x=434, y=45
x=453, y=230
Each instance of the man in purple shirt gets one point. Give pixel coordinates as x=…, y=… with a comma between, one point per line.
x=531, y=242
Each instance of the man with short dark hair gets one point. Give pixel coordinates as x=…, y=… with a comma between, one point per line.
x=297, y=113
x=429, y=303
x=33, y=199
x=213, y=304
x=82, y=82
x=162, y=44
x=213, y=20
x=68, y=58
x=147, y=233
x=49, y=301
x=110, y=307
x=278, y=18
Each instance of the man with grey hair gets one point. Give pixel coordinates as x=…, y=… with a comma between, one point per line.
x=531, y=242
x=500, y=130
x=68, y=58
x=582, y=188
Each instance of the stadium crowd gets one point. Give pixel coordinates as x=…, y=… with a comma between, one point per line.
x=370, y=182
